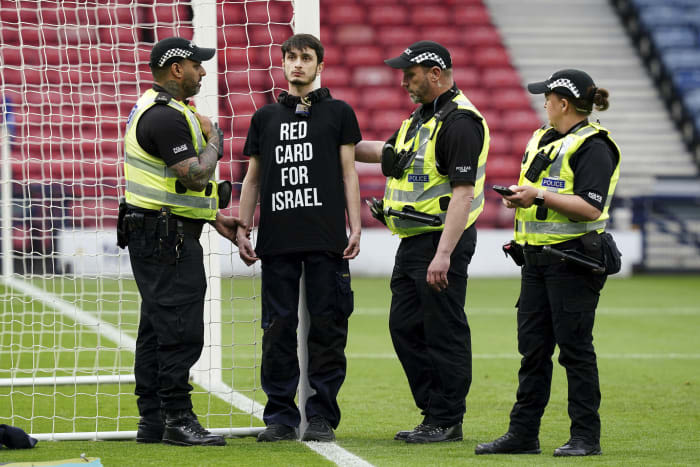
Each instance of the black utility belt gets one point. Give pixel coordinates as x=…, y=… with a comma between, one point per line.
x=139, y=221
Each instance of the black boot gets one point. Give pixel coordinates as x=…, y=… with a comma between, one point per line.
x=435, y=434
x=183, y=429
x=402, y=435
x=509, y=444
x=577, y=446
x=150, y=428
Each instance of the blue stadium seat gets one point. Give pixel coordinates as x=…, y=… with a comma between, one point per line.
x=691, y=100
x=687, y=80
x=679, y=36
x=654, y=16
x=681, y=59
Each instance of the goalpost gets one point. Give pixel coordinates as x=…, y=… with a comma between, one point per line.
x=71, y=70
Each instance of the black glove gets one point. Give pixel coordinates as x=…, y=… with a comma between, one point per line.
x=220, y=132
x=376, y=208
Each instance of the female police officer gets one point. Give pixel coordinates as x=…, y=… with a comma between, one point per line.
x=567, y=180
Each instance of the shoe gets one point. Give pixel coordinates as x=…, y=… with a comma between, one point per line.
x=150, y=429
x=509, y=444
x=277, y=432
x=183, y=429
x=436, y=434
x=318, y=430
x=578, y=447
x=402, y=435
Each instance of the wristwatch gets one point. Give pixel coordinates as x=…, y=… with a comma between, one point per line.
x=539, y=199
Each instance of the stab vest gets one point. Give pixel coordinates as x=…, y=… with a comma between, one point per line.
x=422, y=185
x=558, y=177
x=150, y=184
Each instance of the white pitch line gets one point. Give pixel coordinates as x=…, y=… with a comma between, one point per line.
x=504, y=356
x=661, y=311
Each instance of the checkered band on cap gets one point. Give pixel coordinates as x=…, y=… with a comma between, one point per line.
x=428, y=56
x=565, y=83
x=174, y=53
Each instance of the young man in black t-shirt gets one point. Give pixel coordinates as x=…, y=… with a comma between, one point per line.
x=301, y=165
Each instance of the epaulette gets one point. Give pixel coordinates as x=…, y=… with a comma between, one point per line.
x=162, y=98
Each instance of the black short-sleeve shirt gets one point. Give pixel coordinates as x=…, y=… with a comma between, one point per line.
x=459, y=141
x=302, y=195
x=163, y=132
x=593, y=165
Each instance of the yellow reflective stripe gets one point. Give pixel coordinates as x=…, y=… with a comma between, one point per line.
x=555, y=228
x=154, y=168
x=191, y=119
x=476, y=202
x=435, y=191
x=154, y=194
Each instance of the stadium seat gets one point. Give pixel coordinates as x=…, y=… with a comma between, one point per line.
x=503, y=166
x=510, y=98
x=401, y=36
x=686, y=80
x=480, y=36
x=448, y=37
x=355, y=34
x=373, y=76
x=491, y=57
x=232, y=36
x=368, y=55
x=480, y=97
x=387, y=15
x=691, y=101
x=662, y=15
x=389, y=97
x=681, y=59
x=345, y=13
x=466, y=77
x=264, y=12
x=430, y=15
x=500, y=77
x=231, y=13
x=387, y=120
x=471, y=16
x=347, y=94
x=520, y=120
x=674, y=37
x=500, y=143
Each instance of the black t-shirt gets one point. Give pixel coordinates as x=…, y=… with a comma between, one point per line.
x=459, y=140
x=163, y=132
x=302, y=195
x=593, y=165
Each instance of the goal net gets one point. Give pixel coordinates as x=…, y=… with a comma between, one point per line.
x=71, y=72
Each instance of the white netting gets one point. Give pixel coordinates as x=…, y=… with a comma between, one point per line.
x=71, y=71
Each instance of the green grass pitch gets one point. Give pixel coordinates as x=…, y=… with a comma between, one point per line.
x=649, y=361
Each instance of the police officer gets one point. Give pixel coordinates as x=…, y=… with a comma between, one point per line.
x=567, y=181
x=171, y=154
x=301, y=164
x=436, y=165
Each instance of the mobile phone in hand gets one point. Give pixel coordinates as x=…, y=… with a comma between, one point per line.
x=503, y=190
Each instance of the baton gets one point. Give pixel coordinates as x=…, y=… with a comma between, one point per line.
x=423, y=218
x=576, y=258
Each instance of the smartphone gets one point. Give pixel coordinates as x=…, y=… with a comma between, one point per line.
x=503, y=190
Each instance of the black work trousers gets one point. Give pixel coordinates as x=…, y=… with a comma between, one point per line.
x=557, y=307
x=429, y=329
x=171, y=327
x=329, y=300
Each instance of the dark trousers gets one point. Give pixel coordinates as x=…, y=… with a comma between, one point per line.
x=171, y=327
x=329, y=299
x=429, y=329
x=557, y=307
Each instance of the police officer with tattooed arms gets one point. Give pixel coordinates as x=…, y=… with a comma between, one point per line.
x=568, y=176
x=302, y=165
x=435, y=164
x=171, y=154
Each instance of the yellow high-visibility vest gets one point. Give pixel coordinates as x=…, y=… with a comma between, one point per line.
x=150, y=183
x=558, y=177
x=422, y=186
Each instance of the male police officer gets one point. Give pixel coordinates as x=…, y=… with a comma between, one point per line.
x=171, y=154
x=436, y=166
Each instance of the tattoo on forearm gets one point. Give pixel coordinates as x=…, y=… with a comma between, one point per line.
x=195, y=173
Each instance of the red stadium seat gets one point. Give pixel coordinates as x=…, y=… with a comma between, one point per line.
x=430, y=15
x=520, y=140
x=503, y=166
x=231, y=13
x=472, y=15
x=448, y=36
x=466, y=77
x=387, y=120
x=521, y=120
x=264, y=12
x=232, y=36
x=344, y=13
x=347, y=94
x=355, y=34
x=510, y=98
x=480, y=97
x=500, y=143
x=481, y=36
x=461, y=57
x=397, y=36
x=390, y=97
x=333, y=55
x=491, y=57
x=374, y=76
x=384, y=15
x=501, y=77
x=367, y=55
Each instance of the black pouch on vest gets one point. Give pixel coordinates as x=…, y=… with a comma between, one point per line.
x=224, y=189
x=122, y=232
x=515, y=251
x=612, y=257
